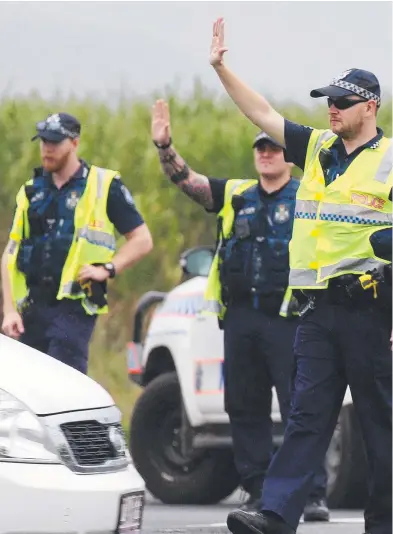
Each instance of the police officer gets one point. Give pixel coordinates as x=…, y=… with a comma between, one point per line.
x=340, y=262
x=247, y=289
x=61, y=249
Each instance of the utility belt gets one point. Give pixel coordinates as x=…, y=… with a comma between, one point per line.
x=45, y=292
x=352, y=291
x=269, y=303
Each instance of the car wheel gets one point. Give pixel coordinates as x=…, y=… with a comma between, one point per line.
x=201, y=477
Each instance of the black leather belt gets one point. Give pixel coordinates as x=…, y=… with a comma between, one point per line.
x=270, y=303
x=338, y=292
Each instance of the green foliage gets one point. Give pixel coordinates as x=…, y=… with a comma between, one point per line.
x=211, y=135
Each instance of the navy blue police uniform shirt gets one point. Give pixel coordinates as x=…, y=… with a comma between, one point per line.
x=217, y=186
x=296, y=142
x=121, y=211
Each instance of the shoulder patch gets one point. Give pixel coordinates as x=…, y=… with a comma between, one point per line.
x=127, y=195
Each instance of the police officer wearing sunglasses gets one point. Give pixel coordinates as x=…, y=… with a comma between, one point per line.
x=62, y=246
x=247, y=290
x=340, y=268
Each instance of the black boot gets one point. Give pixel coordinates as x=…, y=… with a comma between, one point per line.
x=316, y=510
x=242, y=522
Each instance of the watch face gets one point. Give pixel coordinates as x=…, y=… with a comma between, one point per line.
x=111, y=269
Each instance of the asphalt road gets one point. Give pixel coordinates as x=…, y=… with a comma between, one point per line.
x=163, y=519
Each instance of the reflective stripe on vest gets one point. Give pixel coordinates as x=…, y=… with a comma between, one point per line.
x=212, y=306
x=354, y=214
x=321, y=140
x=351, y=264
x=97, y=237
x=306, y=209
x=385, y=167
x=305, y=278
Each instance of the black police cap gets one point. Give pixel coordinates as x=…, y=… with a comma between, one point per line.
x=58, y=127
x=263, y=137
x=352, y=82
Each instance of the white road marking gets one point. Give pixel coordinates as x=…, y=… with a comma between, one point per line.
x=347, y=520
x=337, y=520
x=210, y=525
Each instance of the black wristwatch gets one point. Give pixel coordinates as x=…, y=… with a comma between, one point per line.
x=163, y=147
x=111, y=269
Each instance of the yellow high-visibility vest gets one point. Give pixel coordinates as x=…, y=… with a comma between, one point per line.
x=212, y=299
x=93, y=242
x=333, y=224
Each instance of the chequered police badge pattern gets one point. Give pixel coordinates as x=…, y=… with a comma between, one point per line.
x=338, y=218
x=358, y=90
x=305, y=215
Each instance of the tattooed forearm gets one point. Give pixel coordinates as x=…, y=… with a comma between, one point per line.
x=198, y=188
x=173, y=165
x=194, y=185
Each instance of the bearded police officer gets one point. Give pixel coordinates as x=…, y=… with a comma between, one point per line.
x=62, y=246
x=340, y=264
x=247, y=289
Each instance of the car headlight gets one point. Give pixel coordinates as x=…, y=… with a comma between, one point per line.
x=23, y=437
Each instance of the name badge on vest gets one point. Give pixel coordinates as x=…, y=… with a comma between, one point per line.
x=247, y=211
x=38, y=196
x=72, y=200
x=281, y=213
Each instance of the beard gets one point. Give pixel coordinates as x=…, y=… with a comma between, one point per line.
x=54, y=164
x=347, y=131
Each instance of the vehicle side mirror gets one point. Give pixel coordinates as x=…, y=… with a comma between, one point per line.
x=197, y=261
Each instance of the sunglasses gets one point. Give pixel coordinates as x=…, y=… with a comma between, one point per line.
x=343, y=103
x=44, y=126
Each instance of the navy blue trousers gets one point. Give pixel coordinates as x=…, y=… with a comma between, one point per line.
x=258, y=356
x=336, y=346
x=62, y=330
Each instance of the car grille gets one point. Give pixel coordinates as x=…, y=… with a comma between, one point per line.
x=89, y=442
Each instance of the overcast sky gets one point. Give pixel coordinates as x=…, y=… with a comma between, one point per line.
x=282, y=48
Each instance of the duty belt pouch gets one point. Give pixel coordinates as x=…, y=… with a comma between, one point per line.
x=234, y=273
x=24, y=258
x=242, y=229
x=94, y=291
x=98, y=294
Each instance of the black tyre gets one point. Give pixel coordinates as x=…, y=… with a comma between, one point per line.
x=346, y=464
x=204, y=477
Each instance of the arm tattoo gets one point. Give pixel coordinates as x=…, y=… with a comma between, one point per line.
x=196, y=186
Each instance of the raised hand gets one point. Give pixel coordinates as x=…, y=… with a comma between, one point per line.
x=218, y=49
x=160, y=123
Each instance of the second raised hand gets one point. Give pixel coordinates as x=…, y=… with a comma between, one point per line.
x=218, y=48
x=160, y=123
x=195, y=186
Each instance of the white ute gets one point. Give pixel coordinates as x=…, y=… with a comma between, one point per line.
x=64, y=461
x=180, y=438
